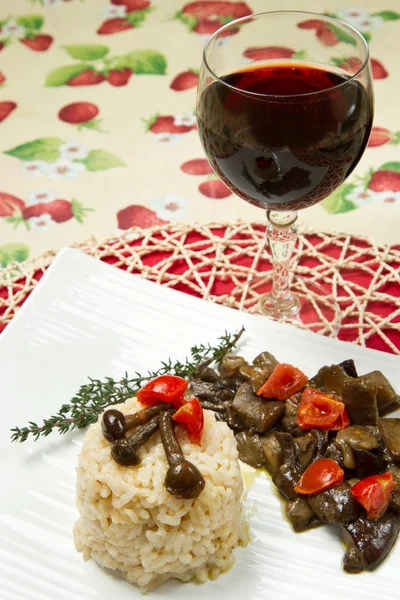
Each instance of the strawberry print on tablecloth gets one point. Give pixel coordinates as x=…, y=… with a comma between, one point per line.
x=26, y=29
x=95, y=65
x=365, y=21
x=6, y=108
x=205, y=17
x=185, y=80
x=82, y=115
x=353, y=64
x=212, y=187
x=376, y=187
x=381, y=136
x=169, y=129
x=40, y=210
x=123, y=15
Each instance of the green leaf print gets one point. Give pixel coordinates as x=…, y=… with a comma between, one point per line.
x=13, y=252
x=147, y=62
x=87, y=51
x=31, y=22
x=337, y=202
x=387, y=15
x=136, y=17
x=99, y=160
x=342, y=36
x=186, y=19
x=62, y=75
x=390, y=166
x=40, y=149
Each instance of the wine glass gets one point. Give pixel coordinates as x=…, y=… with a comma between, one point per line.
x=284, y=116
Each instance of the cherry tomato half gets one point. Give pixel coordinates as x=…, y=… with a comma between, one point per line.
x=165, y=388
x=284, y=381
x=192, y=417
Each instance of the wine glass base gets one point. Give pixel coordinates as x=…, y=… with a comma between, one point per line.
x=279, y=309
x=310, y=307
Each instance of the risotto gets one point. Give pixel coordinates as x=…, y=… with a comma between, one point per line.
x=131, y=523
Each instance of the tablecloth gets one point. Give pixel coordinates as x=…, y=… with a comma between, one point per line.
x=127, y=151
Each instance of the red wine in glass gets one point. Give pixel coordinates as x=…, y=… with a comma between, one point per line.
x=282, y=135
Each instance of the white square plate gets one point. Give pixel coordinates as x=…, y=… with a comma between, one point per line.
x=89, y=319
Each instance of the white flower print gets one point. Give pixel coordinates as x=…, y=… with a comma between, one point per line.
x=41, y=223
x=186, y=119
x=352, y=14
x=34, y=167
x=167, y=138
x=74, y=150
x=39, y=197
x=360, y=19
x=368, y=24
x=387, y=197
x=52, y=2
x=64, y=169
x=170, y=207
x=362, y=196
x=111, y=11
x=12, y=29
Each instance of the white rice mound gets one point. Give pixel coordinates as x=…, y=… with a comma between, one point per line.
x=128, y=521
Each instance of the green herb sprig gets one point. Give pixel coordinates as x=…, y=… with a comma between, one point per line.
x=92, y=398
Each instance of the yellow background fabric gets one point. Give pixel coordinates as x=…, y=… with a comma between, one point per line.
x=144, y=169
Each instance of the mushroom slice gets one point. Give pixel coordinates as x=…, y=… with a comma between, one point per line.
x=390, y=430
x=250, y=449
x=359, y=396
x=369, y=542
x=335, y=505
x=257, y=413
x=301, y=515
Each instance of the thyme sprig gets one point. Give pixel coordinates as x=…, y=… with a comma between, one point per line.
x=93, y=397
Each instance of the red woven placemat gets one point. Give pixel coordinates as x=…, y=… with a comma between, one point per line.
x=229, y=264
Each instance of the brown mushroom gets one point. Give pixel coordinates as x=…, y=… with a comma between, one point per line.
x=289, y=419
x=212, y=391
x=369, y=542
x=367, y=463
x=329, y=379
x=250, y=449
x=183, y=479
x=335, y=505
x=349, y=367
x=265, y=359
x=390, y=430
x=124, y=451
x=289, y=473
x=355, y=437
x=301, y=515
x=386, y=397
x=256, y=413
x=230, y=365
x=359, y=396
x=113, y=425
x=273, y=452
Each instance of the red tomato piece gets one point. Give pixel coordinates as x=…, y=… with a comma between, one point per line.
x=321, y=410
x=284, y=381
x=192, y=417
x=165, y=388
x=373, y=493
x=319, y=476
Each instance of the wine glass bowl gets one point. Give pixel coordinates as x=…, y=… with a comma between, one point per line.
x=284, y=119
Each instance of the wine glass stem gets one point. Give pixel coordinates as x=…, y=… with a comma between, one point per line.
x=282, y=235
